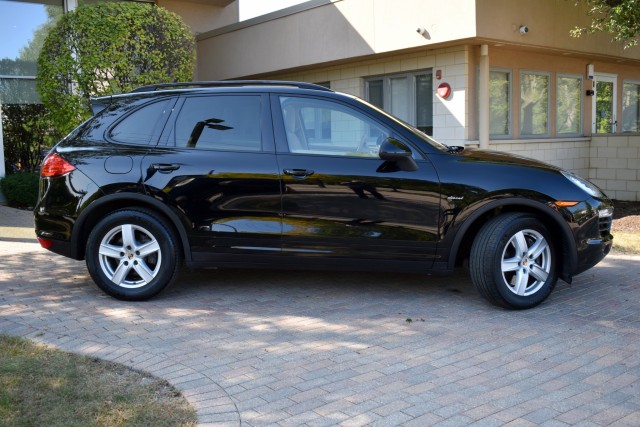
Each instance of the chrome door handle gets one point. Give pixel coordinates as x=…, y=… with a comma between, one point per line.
x=165, y=167
x=298, y=173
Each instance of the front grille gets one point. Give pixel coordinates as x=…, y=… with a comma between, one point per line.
x=604, y=226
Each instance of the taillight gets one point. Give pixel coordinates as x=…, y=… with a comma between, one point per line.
x=54, y=165
x=45, y=243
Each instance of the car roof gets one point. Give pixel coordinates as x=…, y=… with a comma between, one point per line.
x=157, y=90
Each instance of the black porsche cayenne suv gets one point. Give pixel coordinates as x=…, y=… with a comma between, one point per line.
x=294, y=175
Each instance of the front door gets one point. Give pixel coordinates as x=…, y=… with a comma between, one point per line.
x=339, y=198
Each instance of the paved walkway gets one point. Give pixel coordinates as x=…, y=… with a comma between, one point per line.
x=291, y=348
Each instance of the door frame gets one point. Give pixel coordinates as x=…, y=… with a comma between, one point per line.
x=608, y=78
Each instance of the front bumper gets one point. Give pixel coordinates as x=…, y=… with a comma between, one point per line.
x=593, y=233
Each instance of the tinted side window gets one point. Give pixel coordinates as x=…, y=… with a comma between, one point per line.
x=220, y=122
x=140, y=126
x=322, y=127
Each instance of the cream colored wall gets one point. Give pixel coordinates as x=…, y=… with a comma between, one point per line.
x=203, y=17
x=338, y=31
x=568, y=153
x=450, y=116
x=549, y=23
x=615, y=165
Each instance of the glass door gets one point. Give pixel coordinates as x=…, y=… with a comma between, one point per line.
x=604, y=104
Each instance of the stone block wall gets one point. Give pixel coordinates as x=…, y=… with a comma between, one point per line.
x=615, y=165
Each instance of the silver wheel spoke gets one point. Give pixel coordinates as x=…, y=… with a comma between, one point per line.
x=148, y=248
x=121, y=273
x=143, y=270
x=110, y=251
x=128, y=236
x=511, y=264
x=537, y=248
x=522, y=279
x=520, y=243
x=538, y=273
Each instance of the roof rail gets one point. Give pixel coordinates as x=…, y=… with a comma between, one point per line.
x=229, y=83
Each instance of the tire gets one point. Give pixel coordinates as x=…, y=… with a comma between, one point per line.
x=132, y=255
x=513, y=261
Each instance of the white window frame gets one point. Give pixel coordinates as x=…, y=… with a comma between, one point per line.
x=386, y=91
x=609, y=78
x=581, y=79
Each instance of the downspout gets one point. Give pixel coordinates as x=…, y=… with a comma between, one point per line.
x=483, y=98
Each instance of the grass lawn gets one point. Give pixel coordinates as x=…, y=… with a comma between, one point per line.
x=40, y=386
x=626, y=242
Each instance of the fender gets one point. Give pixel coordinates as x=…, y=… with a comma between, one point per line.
x=569, y=255
x=140, y=200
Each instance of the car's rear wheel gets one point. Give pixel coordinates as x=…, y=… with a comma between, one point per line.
x=132, y=255
x=513, y=262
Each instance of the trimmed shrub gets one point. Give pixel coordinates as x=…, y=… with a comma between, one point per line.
x=21, y=189
x=110, y=48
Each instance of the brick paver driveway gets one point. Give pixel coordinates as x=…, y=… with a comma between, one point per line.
x=296, y=348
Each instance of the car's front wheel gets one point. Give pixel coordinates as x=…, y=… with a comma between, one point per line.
x=132, y=255
x=513, y=261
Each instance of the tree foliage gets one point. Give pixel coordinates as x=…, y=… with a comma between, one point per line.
x=110, y=48
x=27, y=132
x=621, y=18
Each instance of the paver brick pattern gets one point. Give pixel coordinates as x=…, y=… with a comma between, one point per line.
x=262, y=348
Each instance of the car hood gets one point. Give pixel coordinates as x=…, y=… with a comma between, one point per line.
x=496, y=157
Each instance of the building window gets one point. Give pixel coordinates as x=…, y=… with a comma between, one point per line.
x=569, y=105
x=630, y=107
x=409, y=97
x=23, y=28
x=499, y=103
x=534, y=104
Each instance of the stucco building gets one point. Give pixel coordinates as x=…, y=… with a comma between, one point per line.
x=499, y=74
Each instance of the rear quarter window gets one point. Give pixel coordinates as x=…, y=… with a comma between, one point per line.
x=143, y=124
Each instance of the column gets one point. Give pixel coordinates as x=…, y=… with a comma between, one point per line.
x=483, y=98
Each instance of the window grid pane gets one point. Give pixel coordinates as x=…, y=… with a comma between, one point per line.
x=569, y=105
x=630, y=107
x=424, y=103
x=534, y=104
x=400, y=98
x=499, y=103
x=376, y=93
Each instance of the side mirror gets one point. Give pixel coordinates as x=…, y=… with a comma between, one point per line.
x=397, y=152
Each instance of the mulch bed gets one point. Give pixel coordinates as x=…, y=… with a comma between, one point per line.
x=626, y=216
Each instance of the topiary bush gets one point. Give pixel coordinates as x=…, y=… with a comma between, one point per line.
x=20, y=189
x=110, y=48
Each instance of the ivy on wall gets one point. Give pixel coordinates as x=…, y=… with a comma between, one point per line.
x=110, y=48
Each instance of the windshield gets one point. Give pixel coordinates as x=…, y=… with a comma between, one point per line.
x=421, y=135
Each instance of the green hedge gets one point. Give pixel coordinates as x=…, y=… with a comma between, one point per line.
x=20, y=189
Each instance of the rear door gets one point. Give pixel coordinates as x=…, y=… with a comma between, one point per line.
x=339, y=198
x=216, y=166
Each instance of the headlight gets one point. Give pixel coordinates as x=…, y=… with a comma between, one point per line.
x=584, y=185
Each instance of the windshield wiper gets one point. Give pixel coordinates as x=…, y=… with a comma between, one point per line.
x=455, y=149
